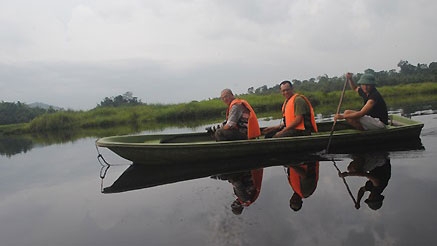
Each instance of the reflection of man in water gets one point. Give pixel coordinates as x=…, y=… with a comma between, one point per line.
x=303, y=179
x=376, y=168
x=246, y=185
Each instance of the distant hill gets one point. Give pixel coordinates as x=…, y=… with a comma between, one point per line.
x=43, y=106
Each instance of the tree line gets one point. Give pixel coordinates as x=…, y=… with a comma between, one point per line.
x=407, y=74
x=17, y=112
x=12, y=113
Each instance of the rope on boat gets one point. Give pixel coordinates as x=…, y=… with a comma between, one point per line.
x=101, y=159
x=103, y=172
x=104, y=169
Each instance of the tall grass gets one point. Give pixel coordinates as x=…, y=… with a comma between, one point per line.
x=214, y=109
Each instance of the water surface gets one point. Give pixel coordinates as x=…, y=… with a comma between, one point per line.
x=51, y=195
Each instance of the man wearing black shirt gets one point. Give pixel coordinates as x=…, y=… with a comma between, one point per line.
x=373, y=115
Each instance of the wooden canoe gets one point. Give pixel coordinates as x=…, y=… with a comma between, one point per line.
x=200, y=147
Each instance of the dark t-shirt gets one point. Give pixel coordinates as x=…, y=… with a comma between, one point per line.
x=379, y=110
x=383, y=174
x=301, y=107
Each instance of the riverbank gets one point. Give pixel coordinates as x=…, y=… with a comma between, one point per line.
x=410, y=97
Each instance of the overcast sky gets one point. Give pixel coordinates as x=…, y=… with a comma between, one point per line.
x=73, y=53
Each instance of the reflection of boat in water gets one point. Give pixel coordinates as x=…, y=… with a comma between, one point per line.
x=376, y=168
x=138, y=176
x=196, y=147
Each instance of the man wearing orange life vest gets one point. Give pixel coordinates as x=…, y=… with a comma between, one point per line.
x=298, y=115
x=303, y=180
x=247, y=187
x=241, y=121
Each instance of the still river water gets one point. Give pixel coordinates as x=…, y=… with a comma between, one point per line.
x=51, y=195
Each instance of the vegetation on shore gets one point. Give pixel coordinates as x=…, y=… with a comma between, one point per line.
x=213, y=110
x=412, y=85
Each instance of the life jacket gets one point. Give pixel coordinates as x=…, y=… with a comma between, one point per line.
x=257, y=177
x=304, y=186
x=289, y=115
x=253, y=130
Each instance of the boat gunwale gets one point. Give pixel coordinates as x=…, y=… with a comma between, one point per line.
x=109, y=141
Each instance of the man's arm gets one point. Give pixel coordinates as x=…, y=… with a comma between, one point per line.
x=301, y=108
x=366, y=108
x=357, y=114
x=351, y=82
x=297, y=120
x=234, y=115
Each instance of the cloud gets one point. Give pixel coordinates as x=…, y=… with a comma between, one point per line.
x=199, y=46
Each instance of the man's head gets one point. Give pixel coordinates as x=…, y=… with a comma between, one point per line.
x=374, y=201
x=237, y=208
x=286, y=89
x=296, y=202
x=367, y=79
x=227, y=96
x=367, y=82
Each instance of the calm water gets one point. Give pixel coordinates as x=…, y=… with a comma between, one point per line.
x=51, y=195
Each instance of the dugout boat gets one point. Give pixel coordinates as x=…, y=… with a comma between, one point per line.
x=402, y=133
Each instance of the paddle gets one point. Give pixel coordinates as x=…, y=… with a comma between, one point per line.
x=347, y=186
x=335, y=121
x=330, y=138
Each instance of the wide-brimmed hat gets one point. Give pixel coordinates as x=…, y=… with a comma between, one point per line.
x=367, y=79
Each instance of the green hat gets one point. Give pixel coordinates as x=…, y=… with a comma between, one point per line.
x=367, y=79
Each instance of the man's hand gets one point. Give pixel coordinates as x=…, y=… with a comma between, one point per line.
x=343, y=174
x=338, y=117
x=268, y=129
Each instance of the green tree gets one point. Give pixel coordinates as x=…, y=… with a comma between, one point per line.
x=127, y=99
x=13, y=113
x=433, y=70
x=406, y=68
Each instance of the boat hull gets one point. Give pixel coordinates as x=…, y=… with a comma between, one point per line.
x=200, y=147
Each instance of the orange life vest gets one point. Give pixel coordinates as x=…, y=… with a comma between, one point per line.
x=297, y=181
x=289, y=115
x=253, y=130
x=257, y=177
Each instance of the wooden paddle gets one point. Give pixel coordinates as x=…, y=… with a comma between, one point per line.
x=335, y=121
x=347, y=186
x=329, y=143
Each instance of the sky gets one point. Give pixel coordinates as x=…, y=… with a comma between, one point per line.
x=73, y=53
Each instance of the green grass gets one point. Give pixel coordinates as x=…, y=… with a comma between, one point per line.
x=213, y=110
